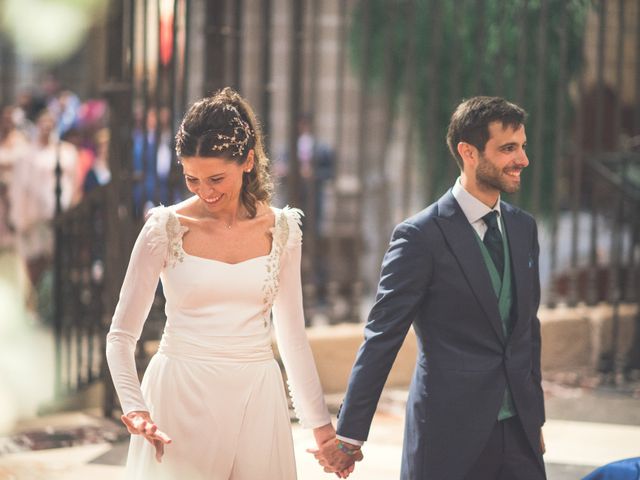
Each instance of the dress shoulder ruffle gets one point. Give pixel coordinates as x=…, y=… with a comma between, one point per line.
x=288, y=227
x=163, y=232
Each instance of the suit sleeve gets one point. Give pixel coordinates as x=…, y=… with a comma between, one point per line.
x=406, y=271
x=536, y=341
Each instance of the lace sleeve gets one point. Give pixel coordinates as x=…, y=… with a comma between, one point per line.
x=153, y=250
x=304, y=383
x=293, y=224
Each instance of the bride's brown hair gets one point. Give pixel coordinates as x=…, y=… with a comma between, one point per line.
x=225, y=126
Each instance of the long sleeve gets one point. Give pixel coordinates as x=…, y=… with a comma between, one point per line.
x=304, y=383
x=406, y=271
x=136, y=296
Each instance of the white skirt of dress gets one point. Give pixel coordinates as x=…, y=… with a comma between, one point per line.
x=228, y=420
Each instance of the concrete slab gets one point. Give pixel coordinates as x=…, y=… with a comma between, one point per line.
x=591, y=444
x=53, y=464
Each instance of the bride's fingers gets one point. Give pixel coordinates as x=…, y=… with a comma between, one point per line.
x=150, y=428
x=159, y=446
x=137, y=424
x=160, y=436
x=157, y=438
x=163, y=437
x=347, y=470
x=141, y=424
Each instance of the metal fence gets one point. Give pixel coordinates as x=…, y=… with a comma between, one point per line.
x=381, y=79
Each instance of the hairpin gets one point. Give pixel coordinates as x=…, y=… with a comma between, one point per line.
x=234, y=142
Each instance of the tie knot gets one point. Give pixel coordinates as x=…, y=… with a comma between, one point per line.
x=491, y=219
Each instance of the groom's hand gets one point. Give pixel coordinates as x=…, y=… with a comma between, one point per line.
x=335, y=459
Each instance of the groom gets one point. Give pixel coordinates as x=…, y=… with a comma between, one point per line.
x=464, y=273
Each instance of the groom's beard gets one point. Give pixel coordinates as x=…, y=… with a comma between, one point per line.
x=490, y=177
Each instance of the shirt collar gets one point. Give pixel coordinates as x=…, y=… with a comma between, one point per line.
x=472, y=208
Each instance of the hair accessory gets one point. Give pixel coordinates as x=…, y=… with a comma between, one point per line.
x=240, y=138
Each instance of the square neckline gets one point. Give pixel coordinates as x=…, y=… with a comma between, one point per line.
x=272, y=229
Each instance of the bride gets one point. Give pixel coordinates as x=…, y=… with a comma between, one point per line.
x=212, y=404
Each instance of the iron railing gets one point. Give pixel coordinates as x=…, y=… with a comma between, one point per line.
x=381, y=78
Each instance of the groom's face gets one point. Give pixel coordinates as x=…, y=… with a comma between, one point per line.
x=503, y=159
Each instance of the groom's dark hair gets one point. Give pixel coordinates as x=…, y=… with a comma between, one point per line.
x=470, y=122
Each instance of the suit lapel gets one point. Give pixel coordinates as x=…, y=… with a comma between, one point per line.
x=461, y=239
x=519, y=247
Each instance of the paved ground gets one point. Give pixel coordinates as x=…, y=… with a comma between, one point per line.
x=586, y=427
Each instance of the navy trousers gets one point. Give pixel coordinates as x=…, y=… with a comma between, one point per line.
x=507, y=455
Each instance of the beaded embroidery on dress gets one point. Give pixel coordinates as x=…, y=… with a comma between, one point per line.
x=167, y=232
x=283, y=236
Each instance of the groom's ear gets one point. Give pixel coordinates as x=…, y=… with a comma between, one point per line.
x=468, y=153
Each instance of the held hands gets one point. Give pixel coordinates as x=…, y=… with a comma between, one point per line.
x=335, y=456
x=140, y=423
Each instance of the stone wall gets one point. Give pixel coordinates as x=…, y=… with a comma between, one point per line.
x=572, y=338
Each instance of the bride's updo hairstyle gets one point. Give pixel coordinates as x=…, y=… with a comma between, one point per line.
x=224, y=126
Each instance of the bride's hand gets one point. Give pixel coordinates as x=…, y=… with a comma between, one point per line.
x=323, y=435
x=140, y=423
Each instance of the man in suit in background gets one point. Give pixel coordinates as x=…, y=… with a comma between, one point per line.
x=464, y=272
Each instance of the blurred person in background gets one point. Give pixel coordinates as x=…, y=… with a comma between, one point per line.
x=23, y=113
x=86, y=159
x=13, y=148
x=316, y=166
x=34, y=200
x=152, y=157
x=67, y=106
x=99, y=174
x=145, y=150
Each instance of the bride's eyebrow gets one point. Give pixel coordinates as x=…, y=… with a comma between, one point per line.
x=217, y=175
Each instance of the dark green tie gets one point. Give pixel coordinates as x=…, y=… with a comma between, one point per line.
x=493, y=240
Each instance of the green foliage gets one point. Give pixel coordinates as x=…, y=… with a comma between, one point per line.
x=486, y=47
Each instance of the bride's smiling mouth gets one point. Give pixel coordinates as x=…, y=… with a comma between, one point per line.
x=214, y=200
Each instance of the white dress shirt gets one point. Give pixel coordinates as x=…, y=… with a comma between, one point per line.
x=474, y=209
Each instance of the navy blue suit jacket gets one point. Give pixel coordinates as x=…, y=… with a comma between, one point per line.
x=434, y=277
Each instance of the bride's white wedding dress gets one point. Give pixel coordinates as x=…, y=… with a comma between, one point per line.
x=214, y=386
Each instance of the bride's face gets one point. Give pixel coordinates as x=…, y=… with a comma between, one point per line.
x=216, y=181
